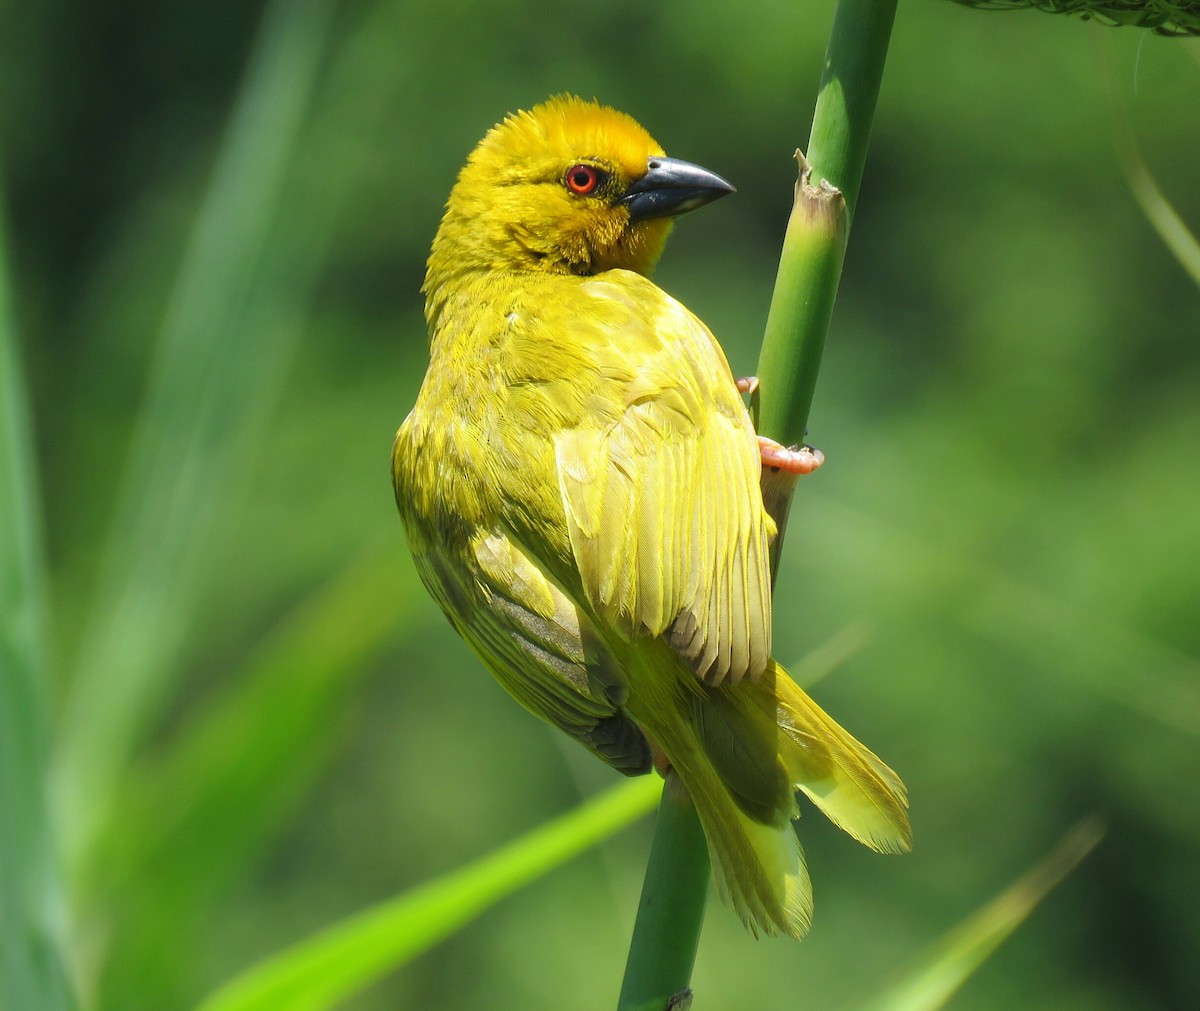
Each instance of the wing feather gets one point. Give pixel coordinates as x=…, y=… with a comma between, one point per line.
x=538, y=644
x=660, y=487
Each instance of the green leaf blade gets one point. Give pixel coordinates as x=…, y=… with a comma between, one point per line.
x=223, y=350
x=957, y=956
x=348, y=956
x=32, y=918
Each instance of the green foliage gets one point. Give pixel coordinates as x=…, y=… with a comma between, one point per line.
x=942, y=971
x=324, y=970
x=1184, y=246
x=1007, y=402
x=1167, y=17
x=229, y=326
x=33, y=959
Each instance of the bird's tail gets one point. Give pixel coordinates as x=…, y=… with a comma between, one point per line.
x=743, y=752
x=852, y=787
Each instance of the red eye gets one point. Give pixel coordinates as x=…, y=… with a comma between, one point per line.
x=582, y=179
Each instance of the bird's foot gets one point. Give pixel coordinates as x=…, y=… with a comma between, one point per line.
x=793, y=459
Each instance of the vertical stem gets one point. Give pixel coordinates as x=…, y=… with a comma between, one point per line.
x=814, y=247
x=32, y=947
x=668, y=923
x=667, y=931
x=837, y=145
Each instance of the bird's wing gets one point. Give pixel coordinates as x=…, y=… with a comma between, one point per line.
x=661, y=491
x=538, y=645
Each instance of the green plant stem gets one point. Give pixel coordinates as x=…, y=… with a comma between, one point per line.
x=814, y=247
x=664, y=938
x=671, y=910
x=32, y=921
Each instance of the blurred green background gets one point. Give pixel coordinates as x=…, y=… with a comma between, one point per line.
x=264, y=725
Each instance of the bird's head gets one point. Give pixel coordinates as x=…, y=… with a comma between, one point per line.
x=569, y=187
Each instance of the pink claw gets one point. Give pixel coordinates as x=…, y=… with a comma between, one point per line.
x=747, y=385
x=797, y=460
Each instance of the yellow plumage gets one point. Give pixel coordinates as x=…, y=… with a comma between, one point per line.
x=579, y=483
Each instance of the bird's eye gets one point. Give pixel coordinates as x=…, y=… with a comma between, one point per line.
x=582, y=179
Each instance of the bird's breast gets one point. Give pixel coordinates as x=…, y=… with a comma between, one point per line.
x=507, y=373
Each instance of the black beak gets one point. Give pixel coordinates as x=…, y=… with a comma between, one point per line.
x=670, y=187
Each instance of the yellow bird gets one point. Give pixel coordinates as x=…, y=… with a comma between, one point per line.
x=579, y=484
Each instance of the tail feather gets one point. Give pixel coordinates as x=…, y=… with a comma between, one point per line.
x=758, y=867
x=850, y=785
x=742, y=751
x=776, y=897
